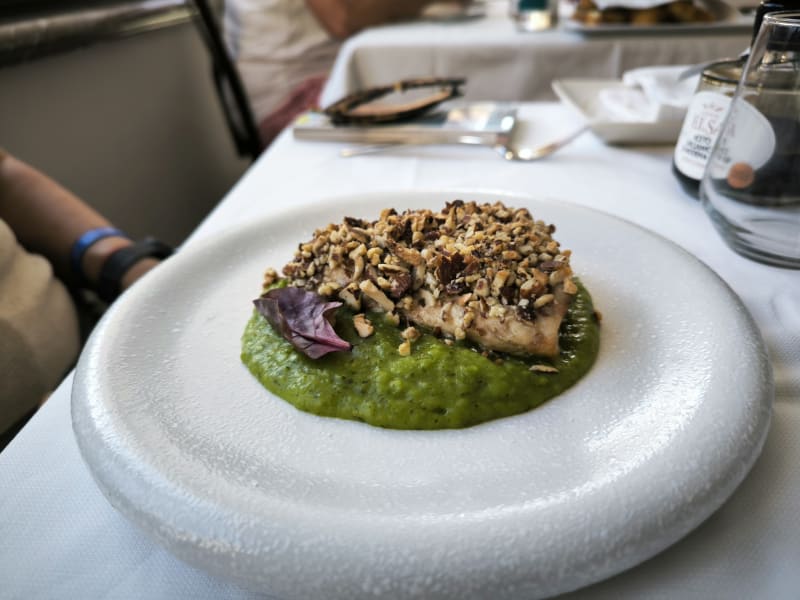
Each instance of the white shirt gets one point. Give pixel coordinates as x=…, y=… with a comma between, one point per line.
x=276, y=45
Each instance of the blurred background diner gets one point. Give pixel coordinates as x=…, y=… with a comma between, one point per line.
x=53, y=247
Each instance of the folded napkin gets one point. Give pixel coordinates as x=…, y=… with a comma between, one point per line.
x=649, y=95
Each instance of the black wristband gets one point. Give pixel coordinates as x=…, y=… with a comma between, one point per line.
x=116, y=265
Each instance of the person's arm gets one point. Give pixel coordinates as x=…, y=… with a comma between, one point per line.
x=47, y=219
x=343, y=18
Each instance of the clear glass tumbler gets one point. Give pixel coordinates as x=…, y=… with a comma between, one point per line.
x=533, y=15
x=751, y=185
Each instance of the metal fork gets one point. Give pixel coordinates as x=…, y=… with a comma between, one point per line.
x=508, y=151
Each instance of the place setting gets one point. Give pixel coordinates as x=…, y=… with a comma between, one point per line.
x=646, y=106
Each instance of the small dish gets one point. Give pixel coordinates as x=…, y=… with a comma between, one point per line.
x=726, y=18
x=583, y=96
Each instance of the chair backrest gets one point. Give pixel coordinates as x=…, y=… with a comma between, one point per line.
x=229, y=85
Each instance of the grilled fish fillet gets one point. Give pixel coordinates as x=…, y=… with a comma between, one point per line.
x=483, y=272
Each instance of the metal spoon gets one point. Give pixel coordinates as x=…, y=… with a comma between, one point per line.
x=699, y=68
x=507, y=150
x=522, y=154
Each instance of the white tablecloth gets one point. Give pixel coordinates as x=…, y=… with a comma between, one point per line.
x=501, y=63
x=59, y=538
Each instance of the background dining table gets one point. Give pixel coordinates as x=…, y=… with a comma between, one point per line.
x=501, y=63
x=62, y=539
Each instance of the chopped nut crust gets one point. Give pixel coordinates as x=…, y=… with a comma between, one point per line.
x=363, y=325
x=411, y=334
x=463, y=271
x=543, y=369
x=270, y=276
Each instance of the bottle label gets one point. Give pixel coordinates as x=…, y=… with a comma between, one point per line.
x=699, y=132
x=748, y=140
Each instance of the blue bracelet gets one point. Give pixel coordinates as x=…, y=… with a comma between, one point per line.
x=82, y=244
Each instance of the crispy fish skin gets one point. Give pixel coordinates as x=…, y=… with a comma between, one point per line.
x=483, y=272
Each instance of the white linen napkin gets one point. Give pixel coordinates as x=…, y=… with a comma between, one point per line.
x=649, y=95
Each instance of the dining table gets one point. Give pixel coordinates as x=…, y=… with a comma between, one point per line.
x=62, y=538
x=500, y=62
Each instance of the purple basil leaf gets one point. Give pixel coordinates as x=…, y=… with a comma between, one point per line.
x=303, y=318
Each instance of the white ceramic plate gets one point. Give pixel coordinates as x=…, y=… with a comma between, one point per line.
x=727, y=19
x=184, y=442
x=582, y=95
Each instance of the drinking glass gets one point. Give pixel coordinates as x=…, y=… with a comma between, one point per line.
x=534, y=15
x=751, y=185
